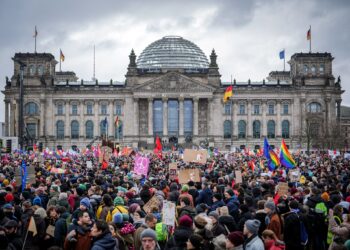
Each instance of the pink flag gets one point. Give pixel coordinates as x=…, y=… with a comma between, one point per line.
x=141, y=165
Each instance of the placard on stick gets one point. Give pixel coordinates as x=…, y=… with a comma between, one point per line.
x=238, y=175
x=172, y=170
x=282, y=188
x=153, y=202
x=168, y=213
x=198, y=156
x=187, y=175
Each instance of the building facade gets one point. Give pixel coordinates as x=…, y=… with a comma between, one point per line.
x=173, y=91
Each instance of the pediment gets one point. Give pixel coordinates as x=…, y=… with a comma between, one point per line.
x=173, y=82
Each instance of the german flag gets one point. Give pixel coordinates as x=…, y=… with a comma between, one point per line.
x=61, y=56
x=308, y=34
x=228, y=93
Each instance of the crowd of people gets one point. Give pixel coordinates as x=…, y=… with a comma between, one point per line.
x=95, y=207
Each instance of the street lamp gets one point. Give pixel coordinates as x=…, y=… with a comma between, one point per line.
x=21, y=92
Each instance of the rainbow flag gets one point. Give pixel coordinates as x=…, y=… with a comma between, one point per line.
x=275, y=161
x=285, y=157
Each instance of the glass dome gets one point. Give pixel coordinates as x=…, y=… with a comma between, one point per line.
x=172, y=52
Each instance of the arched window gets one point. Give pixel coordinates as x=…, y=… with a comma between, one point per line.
x=306, y=69
x=75, y=130
x=31, y=108
x=314, y=107
x=241, y=129
x=60, y=129
x=118, y=131
x=271, y=129
x=256, y=129
x=285, y=129
x=31, y=70
x=227, y=129
x=40, y=70
x=89, y=129
x=103, y=127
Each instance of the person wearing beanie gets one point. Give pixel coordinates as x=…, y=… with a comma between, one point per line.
x=119, y=206
x=217, y=202
x=200, y=223
x=217, y=228
x=195, y=242
x=85, y=206
x=245, y=215
x=181, y=234
x=232, y=203
x=273, y=219
x=184, y=193
x=291, y=227
x=150, y=222
x=9, y=197
x=235, y=241
x=252, y=242
x=186, y=221
x=149, y=240
x=37, y=201
x=186, y=208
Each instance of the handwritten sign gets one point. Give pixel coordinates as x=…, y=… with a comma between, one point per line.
x=187, y=175
x=282, y=188
x=168, y=213
x=141, y=165
x=294, y=175
x=89, y=164
x=172, y=170
x=238, y=175
x=153, y=202
x=198, y=156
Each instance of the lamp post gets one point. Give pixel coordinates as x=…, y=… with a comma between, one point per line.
x=21, y=93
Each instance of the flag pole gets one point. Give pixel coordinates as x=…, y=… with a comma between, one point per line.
x=60, y=61
x=231, y=115
x=310, y=38
x=35, y=35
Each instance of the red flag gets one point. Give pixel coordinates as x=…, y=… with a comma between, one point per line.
x=35, y=147
x=251, y=164
x=158, y=149
x=104, y=165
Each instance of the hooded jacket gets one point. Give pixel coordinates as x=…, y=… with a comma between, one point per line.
x=104, y=242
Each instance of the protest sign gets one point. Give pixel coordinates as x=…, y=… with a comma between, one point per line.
x=294, y=175
x=141, y=165
x=153, y=202
x=282, y=188
x=187, y=175
x=198, y=156
x=172, y=170
x=238, y=175
x=168, y=213
x=89, y=164
x=105, y=155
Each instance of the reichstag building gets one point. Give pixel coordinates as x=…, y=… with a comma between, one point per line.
x=172, y=90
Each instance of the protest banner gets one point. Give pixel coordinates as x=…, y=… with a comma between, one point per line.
x=238, y=175
x=186, y=175
x=141, y=165
x=168, y=213
x=172, y=170
x=282, y=188
x=198, y=156
x=153, y=202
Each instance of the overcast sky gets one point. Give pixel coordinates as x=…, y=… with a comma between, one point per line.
x=247, y=35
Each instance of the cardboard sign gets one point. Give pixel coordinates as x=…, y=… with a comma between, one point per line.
x=238, y=175
x=153, y=202
x=141, y=165
x=187, y=175
x=89, y=164
x=198, y=156
x=294, y=175
x=168, y=213
x=282, y=188
x=172, y=170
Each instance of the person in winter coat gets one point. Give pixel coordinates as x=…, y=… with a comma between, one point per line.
x=205, y=196
x=252, y=242
x=85, y=206
x=235, y=241
x=292, y=220
x=102, y=237
x=145, y=193
x=184, y=193
x=273, y=220
x=232, y=203
x=150, y=222
x=260, y=215
x=149, y=240
x=217, y=228
x=340, y=232
x=245, y=215
x=54, y=193
x=196, y=242
x=181, y=234
x=61, y=226
x=226, y=219
x=105, y=207
x=186, y=208
x=193, y=191
x=217, y=201
x=9, y=237
x=174, y=193
x=200, y=228
x=271, y=241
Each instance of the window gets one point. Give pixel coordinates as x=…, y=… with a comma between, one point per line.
x=314, y=129
x=271, y=109
x=227, y=129
x=158, y=117
x=188, y=118
x=314, y=107
x=306, y=69
x=40, y=70
x=118, y=109
x=285, y=109
x=104, y=109
x=285, y=129
x=31, y=128
x=321, y=69
x=74, y=109
x=31, y=108
x=104, y=127
x=241, y=129
x=256, y=129
x=31, y=70
x=256, y=109
x=313, y=69
x=74, y=130
x=60, y=130
x=118, y=131
x=227, y=108
x=241, y=109
x=271, y=129
x=89, y=130
x=60, y=109
x=89, y=109
x=173, y=118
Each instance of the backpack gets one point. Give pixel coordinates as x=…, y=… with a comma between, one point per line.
x=161, y=232
x=98, y=212
x=109, y=216
x=322, y=207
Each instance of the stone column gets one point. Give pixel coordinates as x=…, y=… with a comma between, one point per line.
x=195, y=116
x=264, y=121
x=338, y=109
x=96, y=119
x=111, y=123
x=181, y=116
x=235, y=120
x=165, y=116
x=43, y=111
x=12, y=118
x=150, y=116
x=279, y=122
x=17, y=119
x=82, y=129
x=7, y=120
x=136, y=116
x=249, y=120
x=67, y=121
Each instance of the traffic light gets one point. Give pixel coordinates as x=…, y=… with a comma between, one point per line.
x=8, y=146
x=40, y=147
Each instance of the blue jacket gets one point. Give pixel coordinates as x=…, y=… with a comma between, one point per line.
x=106, y=242
x=205, y=196
x=217, y=204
